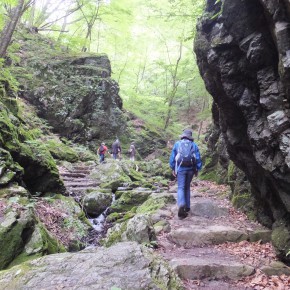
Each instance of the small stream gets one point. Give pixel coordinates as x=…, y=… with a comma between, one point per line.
x=99, y=225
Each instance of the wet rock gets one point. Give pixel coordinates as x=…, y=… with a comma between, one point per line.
x=96, y=202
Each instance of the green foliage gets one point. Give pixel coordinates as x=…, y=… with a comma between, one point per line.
x=6, y=78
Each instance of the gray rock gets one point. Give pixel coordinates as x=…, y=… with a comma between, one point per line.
x=210, y=235
x=198, y=268
x=208, y=209
x=139, y=229
x=96, y=202
x=123, y=266
x=276, y=268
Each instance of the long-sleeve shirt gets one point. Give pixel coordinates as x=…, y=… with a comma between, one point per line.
x=174, y=152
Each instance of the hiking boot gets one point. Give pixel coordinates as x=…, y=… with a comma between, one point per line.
x=182, y=212
x=187, y=209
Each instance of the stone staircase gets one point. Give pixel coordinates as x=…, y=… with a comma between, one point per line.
x=77, y=180
x=190, y=244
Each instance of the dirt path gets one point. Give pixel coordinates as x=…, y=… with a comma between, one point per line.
x=218, y=248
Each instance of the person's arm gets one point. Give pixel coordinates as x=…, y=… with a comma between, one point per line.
x=198, y=159
x=172, y=161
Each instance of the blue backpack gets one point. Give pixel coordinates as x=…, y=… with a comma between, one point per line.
x=186, y=154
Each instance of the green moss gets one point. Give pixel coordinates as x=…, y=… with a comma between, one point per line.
x=128, y=200
x=11, y=241
x=61, y=151
x=8, y=131
x=151, y=205
x=23, y=257
x=242, y=200
x=281, y=239
x=231, y=170
x=212, y=175
x=114, y=184
x=115, y=235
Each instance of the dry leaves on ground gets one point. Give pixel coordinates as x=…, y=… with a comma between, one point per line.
x=53, y=220
x=254, y=254
x=260, y=281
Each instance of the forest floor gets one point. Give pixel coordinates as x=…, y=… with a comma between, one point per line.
x=203, y=250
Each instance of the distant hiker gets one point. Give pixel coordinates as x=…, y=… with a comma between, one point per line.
x=185, y=162
x=102, y=151
x=132, y=151
x=116, y=149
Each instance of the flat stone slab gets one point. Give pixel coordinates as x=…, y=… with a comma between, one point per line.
x=208, y=209
x=200, y=268
x=122, y=266
x=208, y=235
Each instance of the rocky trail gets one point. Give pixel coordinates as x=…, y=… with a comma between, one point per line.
x=214, y=248
x=217, y=247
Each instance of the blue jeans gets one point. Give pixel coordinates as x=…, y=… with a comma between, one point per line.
x=115, y=155
x=102, y=158
x=183, y=192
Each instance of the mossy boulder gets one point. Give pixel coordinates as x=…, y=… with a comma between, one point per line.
x=281, y=240
x=9, y=170
x=15, y=229
x=64, y=84
x=155, y=167
x=110, y=174
x=155, y=202
x=13, y=190
x=64, y=220
x=40, y=243
x=129, y=199
x=114, y=234
x=96, y=202
x=61, y=151
x=24, y=158
x=40, y=170
x=139, y=229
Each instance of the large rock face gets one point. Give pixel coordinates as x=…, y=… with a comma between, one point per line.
x=123, y=266
x=77, y=97
x=243, y=53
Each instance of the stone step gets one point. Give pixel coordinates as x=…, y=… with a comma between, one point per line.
x=82, y=168
x=216, y=268
x=84, y=183
x=196, y=236
x=208, y=235
x=82, y=189
x=208, y=209
x=73, y=175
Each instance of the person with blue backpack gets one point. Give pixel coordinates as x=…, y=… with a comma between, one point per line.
x=185, y=162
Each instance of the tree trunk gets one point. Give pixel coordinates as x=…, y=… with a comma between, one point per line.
x=9, y=28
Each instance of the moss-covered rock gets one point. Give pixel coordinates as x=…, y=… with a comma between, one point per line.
x=15, y=229
x=128, y=200
x=114, y=234
x=61, y=151
x=155, y=202
x=281, y=240
x=96, y=202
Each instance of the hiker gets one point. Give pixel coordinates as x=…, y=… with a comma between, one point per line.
x=102, y=151
x=116, y=149
x=132, y=151
x=185, y=162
